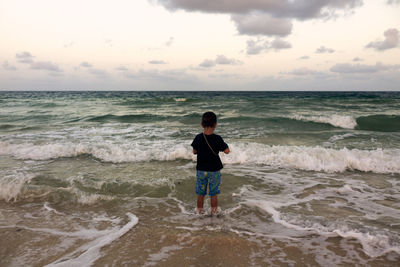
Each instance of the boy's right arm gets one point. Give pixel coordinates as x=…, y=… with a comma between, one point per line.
x=194, y=151
x=226, y=151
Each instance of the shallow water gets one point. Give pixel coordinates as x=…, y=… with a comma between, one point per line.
x=107, y=178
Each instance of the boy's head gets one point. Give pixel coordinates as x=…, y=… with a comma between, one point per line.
x=209, y=119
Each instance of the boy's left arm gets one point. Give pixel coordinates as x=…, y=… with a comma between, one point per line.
x=194, y=151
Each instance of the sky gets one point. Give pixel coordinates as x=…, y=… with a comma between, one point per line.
x=319, y=45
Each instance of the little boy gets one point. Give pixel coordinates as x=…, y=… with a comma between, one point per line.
x=207, y=145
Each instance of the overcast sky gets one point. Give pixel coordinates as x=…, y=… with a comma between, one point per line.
x=200, y=45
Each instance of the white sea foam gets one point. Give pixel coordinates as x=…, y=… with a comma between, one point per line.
x=12, y=185
x=296, y=157
x=315, y=158
x=374, y=244
x=342, y=121
x=90, y=252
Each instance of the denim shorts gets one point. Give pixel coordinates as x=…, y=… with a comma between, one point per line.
x=210, y=179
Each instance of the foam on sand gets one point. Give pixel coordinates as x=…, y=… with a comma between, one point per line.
x=90, y=252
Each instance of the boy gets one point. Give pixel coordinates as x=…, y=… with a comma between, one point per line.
x=207, y=145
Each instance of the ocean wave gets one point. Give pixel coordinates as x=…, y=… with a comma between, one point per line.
x=316, y=158
x=379, y=123
x=12, y=185
x=341, y=121
x=296, y=157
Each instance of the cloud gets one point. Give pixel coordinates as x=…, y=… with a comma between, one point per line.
x=207, y=63
x=170, y=41
x=121, y=68
x=45, y=65
x=265, y=17
x=256, y=46
x=262, y=24
x=278, y=44
x=346, y=68
x=393, y=2
x=324, y=50
x=304, y=57
x=299, y=9
x=109, y=42
x=303, y=71
x=157, y=75
x=68, y=45
x=357, y=59
x=7, y=66
x=157, y=62
x=223, y=60
x=98, y=72
x=24, y=57
x=220, y=60
x=85, y=64
x=391, y=41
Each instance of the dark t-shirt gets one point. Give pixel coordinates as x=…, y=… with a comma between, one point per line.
x=206, y=160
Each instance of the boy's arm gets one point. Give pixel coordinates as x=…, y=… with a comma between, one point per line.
x=194, y=151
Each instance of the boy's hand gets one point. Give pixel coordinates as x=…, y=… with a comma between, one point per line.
x=226, y=151
x=194, y=151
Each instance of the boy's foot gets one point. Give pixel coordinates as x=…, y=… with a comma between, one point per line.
x=216, y=212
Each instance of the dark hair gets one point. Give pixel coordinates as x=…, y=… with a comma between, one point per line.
x=209, y=119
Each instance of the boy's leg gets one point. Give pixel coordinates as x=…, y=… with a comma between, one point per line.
x=215, y=181
x=200, y=203
x=201, y=189
x=214, y=205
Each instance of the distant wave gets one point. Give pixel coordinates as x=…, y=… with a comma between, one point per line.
x=341, y=121
x=126, y=118
x=296, y=157
x=380, y=123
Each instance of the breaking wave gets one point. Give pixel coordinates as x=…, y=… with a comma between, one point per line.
x=341, y=121
x=296, y=157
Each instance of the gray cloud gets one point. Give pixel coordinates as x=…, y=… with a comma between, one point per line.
x=347, y=68
x=299, y=9
x=393, y=2
x=98, y=72
x=85, y=64
x=265, y=17
x=45, y=65
x=157, y=62
x=170, y=41
x=24, y=57
x=323, y=50
x=304, y=57
x=303, y=71
x=220, y=60
x=7, y=66
x=121, y=68
x=256, y=46
x=262, y=24
x=223, y=60
x=278, y=44
x=160, y=76
x=391, y=41
x=357, y=59
x=207, y=63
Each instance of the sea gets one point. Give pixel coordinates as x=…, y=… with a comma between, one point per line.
x=105, y=178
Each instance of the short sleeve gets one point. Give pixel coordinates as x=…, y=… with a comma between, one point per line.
x=195, y=143
x=221, y=144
